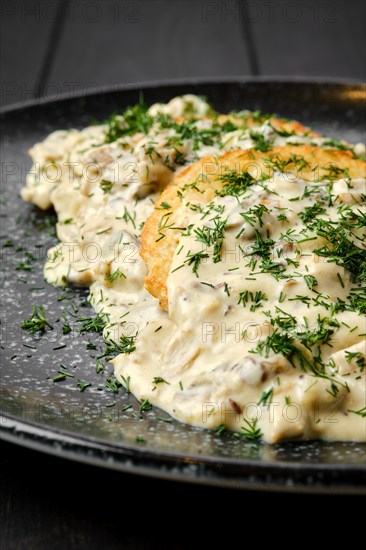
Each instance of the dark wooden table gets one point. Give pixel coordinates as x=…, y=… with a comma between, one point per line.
x=52, y=504
x=53, y=47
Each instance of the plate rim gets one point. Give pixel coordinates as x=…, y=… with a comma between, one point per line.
x=147, y=84
x=253, y=475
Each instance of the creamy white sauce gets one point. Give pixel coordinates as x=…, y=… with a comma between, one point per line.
x=103, y=193
x=205, y=347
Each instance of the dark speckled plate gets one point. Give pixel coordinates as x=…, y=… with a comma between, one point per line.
x=97, y=425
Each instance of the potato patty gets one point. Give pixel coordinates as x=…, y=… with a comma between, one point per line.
x=206, y=177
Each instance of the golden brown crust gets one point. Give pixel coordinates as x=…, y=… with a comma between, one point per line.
x=160, y=238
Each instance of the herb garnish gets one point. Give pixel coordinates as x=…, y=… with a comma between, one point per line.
x=133, y=120
x=93, y=324
x=250, y=432
x=145, y=405
x=235, y=183
x=37, y=322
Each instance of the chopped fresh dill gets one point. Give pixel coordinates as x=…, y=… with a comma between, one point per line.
x=37, y=321
x=249, y=431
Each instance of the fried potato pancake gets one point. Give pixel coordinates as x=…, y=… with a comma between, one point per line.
x=204, y=179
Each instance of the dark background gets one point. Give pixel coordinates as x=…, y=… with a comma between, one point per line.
x=52, y=47
x=55, y=46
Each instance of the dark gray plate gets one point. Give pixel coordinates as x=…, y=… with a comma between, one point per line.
x=57, y=417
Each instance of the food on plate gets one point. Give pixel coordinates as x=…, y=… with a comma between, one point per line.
x=214, y=177
x=245, y=309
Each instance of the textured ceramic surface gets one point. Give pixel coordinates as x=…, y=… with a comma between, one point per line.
x=96, y=425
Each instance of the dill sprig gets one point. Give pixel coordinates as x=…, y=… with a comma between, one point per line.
x=310, y=281
x=266, y=397
x=235, y=183
x=112, y=384
x=250, y=432
x=93, y=324
x=126, y=344
x=360, y=412
x=212, y=236
x=311, y=212
x=133, y=120
x=114, y=276
x=255, y=297
x=195, y=260
x=158, y=380
x=260, y=142
x=283, y=165
x=145, y=405
x=255, y=214
x=83, y=384
x=342, y=251
x=37, y=321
